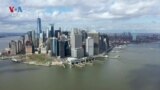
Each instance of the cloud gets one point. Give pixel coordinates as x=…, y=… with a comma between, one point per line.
x=77, y=11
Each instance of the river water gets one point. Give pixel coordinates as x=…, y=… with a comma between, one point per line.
x=137, y=68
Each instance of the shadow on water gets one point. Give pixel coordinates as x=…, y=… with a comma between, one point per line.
x=147, y=78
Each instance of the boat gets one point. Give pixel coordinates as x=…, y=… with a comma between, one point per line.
x=15, y=60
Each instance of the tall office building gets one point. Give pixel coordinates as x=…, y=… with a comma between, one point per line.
x=107, y=41
x=51, y=29
x=76, y=44
x=29, y=33
x=57, y=33
x=34, y=39
x=67, y=49
x=76, y=38
x=61, y=48
x=20, y=46
x=47, y=33
x=41, y=39
x=95, y=35
x=22, y=38
x=84, y=35
x=102, y=44
x=54, y=50
x=39, y=28
x=90, y=46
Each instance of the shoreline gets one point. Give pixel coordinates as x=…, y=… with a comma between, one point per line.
x=54, y=61
x=43, y=60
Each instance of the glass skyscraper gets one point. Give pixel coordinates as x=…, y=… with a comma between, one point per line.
x=39, y=29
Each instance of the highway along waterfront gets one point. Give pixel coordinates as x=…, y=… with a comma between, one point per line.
x=134, y=67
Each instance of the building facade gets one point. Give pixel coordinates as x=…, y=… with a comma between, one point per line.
x=89, y=46
x=95, y=35
x=54, y=49
x=76, y=44
x=13, y=45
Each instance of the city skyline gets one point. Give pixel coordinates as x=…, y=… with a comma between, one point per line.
x=104, y=16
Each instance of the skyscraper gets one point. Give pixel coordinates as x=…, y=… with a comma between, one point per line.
x=89, y=46
x=41, y=39
x=19, y=45
x=76, y=44
x=51, y=29
x=76, y=38
x=34, y=39
x=61, y=48
x=95, y=35
x=54, y=50
x=57, y=33
x=39, y=28
x=47, y=33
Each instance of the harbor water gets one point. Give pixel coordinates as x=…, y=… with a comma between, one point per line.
x=137, y=67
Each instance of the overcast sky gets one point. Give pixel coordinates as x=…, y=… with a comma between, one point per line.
x=100, y=15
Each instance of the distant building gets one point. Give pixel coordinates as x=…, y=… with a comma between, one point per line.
x=62, y=48
x=43, y=50
x=23, y=43
x=67, y=49
x=20, y=46
x=48, y=44
x=51, y=29
x=95, y=35
x=13, y=45
x=84, y=35
x=90, y=46
x=41, y=39
x=65, y=33
x=84, y=48
x=77, y=52
x=47, y=33
x=107, y=41
x=28, y=47
x=29, y=35
x=26, y=38
x=102, y=45
x=54, y=50
x=76, y=44
x=39, y=28
x=76, y=38
x=34, y=41
x=57, y=33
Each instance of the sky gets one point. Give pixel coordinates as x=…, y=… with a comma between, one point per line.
x=101, y=15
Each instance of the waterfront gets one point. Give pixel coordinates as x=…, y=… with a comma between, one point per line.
x=4, y=42
x=137, y=68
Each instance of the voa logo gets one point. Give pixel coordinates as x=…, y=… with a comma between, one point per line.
x=13, y=9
